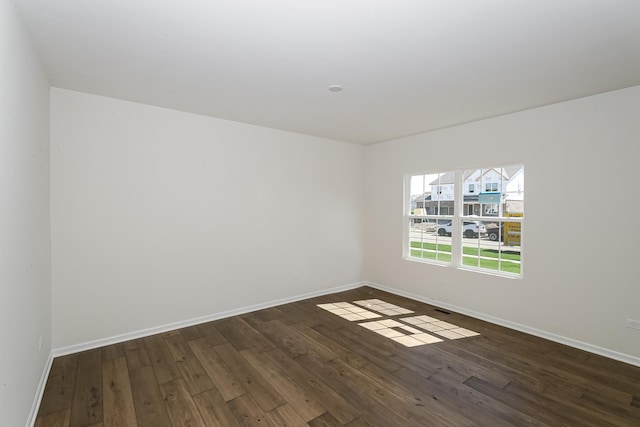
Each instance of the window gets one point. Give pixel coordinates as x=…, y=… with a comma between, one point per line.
x=431, y=208
x=491, y=187
x=481, y=231
x=443, y=210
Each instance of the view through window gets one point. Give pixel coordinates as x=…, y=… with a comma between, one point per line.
x=469, y=218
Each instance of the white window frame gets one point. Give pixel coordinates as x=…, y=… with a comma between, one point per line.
x=457, y=218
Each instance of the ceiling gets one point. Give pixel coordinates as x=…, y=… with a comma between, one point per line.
x=407, y=66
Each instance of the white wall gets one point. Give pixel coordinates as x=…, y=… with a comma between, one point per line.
x=160, y=216
x=25, y=293
x=581, y=266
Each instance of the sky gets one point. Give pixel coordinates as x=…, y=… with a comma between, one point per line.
x=420, y=183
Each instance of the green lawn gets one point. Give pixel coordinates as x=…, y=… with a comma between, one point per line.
x=491, y=253
x=470, y=256
x=442, y=256
x=432, y=246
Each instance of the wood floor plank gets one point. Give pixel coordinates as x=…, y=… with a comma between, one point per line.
x=260, y=389
x=271, y=313
x=54, y=419
x=577, y=375
x=212, y=334
x=194, y=375
x=534, y=373
x=611, y=405
x=314, y=347
x=324, y=420
x=358, y=422
x=412, y=410
x=578, y=405
x=147, y=399
x=163, y=364
x=475, y=405
x=461, y=366
x=58, y=393
x=231, y=329
x=226, y=383
x=557, y=409
x=284, y=336
x=214, y=410
x=193, y=332
x=202, y=330
x=338, y=406
x=285, y=416
x=181, y=408
x=86, y=408
x=524, y=364
x=372, y=347
x=359, y=396
x=533, y=409
x=306, y=404
x=603, y=364
x=344, y=352
x=257, y=340
x=113, y=351
x=415, y=389
x=136, y=354
x=302, y=313
x=249, y=413
x=614, y=395
x=470, y=354
x=118, y=404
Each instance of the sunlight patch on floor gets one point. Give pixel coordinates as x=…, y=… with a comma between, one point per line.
x=410, y=332
x=383, y=307
x=349, y=311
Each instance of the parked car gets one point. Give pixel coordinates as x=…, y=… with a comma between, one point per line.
x=469, y=229
x=495, y=232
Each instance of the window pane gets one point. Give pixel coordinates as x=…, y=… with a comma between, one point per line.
x=442, y=193
x=501, y=196
x=490, y=252
x=431, y=195
x=426, y=243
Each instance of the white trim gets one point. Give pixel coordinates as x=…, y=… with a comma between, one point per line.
x=89, y=345
x=31, y=421
x=407, y=215
x=611, y=354
x=457, y=220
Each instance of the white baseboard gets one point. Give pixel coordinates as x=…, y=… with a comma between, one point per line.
x=626, y=358
x=90, y=345
x=31, y=421
x=622, y=357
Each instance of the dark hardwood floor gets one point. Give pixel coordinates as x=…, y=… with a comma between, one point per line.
x=301, y=365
